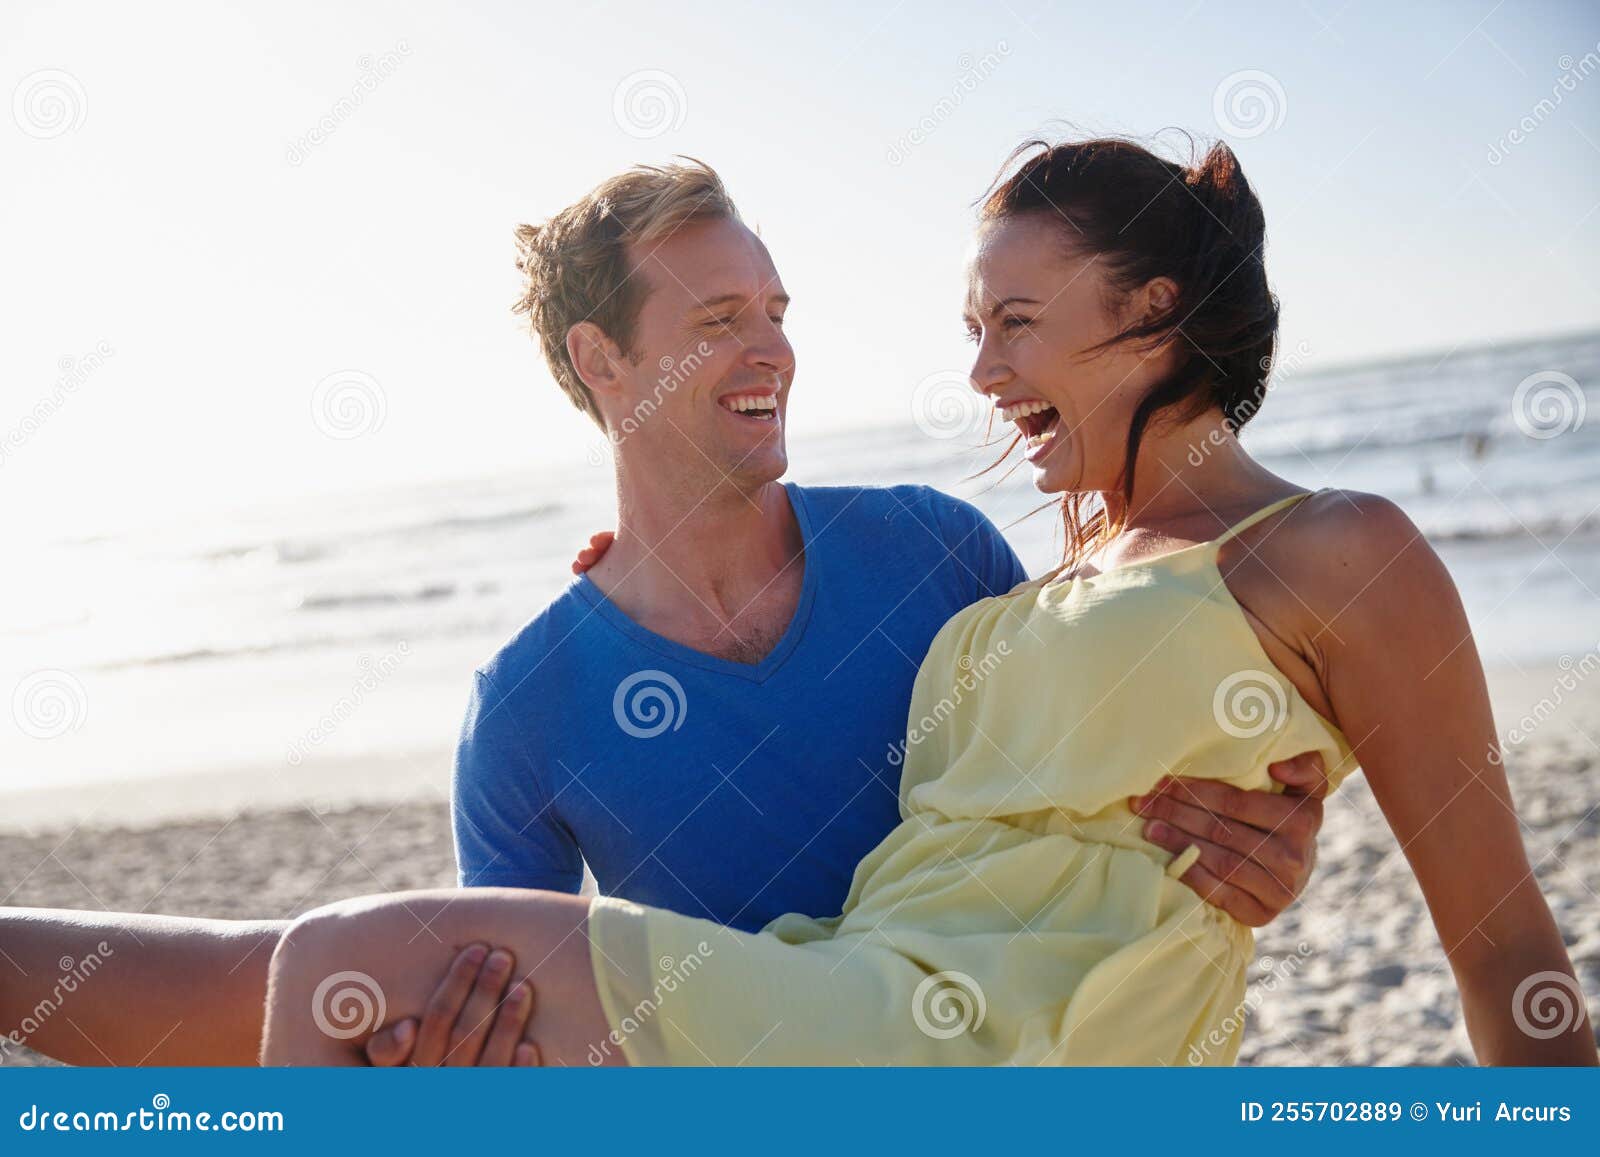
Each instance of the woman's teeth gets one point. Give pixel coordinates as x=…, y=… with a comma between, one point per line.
x=1023, y=409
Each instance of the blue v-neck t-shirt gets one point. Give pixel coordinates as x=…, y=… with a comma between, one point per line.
x=730, y=791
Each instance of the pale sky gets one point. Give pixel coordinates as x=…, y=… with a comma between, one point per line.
x=155, y=199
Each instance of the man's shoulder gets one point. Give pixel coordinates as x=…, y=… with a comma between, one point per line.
x=872, y=506
x=547, y=644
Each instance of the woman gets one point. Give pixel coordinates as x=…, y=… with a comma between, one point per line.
x=1209, y=617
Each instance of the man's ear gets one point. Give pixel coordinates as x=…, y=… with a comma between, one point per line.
x=597, y=359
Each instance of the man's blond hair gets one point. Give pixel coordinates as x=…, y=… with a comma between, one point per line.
x=578, y=267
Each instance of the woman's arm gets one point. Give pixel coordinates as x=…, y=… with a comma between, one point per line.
x=1396, y=657
x=111, y=988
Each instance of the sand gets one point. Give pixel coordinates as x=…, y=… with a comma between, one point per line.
x=1352, y=974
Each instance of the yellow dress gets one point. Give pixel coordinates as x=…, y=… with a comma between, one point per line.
x=1016, y=915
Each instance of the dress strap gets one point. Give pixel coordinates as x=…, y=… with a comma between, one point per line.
x=1267, y=511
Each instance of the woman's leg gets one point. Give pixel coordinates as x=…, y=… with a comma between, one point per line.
x=114, y=988
x=338, y=971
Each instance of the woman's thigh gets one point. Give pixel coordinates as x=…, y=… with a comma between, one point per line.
x=343, y=971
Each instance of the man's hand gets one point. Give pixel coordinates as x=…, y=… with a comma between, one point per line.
x=1257, y=848
x=589, y=555
x=466, y=1021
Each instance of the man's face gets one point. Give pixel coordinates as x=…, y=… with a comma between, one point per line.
x=707, y=401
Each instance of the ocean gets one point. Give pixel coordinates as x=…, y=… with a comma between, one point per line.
x=322, y=650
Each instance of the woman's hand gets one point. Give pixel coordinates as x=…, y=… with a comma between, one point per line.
x=1257, y=848
x=469, y=1020
x=589, y=555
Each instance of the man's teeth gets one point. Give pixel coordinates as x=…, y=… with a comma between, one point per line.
x=743, y=402
x=1023, y=409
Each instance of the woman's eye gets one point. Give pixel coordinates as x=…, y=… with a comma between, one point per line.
x=778, y=321
x=972, y=334
x=1015, y=322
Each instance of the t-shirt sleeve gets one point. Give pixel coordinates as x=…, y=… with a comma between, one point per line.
x=506, y=830
x=979, y=549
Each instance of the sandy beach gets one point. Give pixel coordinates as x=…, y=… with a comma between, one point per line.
x=1353, y=974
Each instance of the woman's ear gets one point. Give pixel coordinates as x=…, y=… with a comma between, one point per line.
x=596, y=359
x=1160, y=297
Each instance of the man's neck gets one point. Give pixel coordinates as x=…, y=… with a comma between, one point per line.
x=699, y=557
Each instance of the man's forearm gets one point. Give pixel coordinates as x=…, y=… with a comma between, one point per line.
x=111, y=988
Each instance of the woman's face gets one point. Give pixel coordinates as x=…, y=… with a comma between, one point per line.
x=1034, y=309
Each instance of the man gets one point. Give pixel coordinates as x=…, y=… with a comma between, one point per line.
x=712, y=717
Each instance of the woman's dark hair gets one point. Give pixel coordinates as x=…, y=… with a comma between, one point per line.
x=1147, y=217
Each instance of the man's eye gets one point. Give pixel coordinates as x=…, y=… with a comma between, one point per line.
x=778, y=321
x=722, y=322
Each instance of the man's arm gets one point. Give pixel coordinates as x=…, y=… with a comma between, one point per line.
x=1257, y=848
